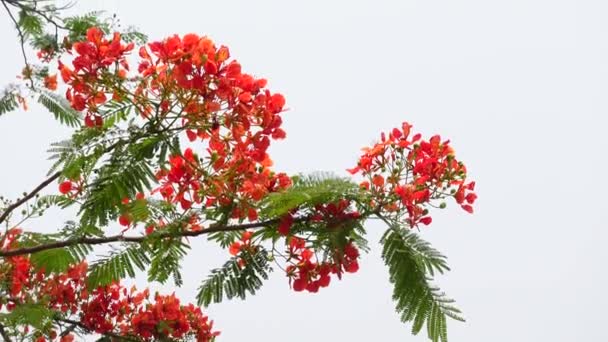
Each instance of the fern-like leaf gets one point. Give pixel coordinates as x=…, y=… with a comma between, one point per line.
x=61, y=108
x=118, y=265
x=116, y=181
x=411, y=262
x=309, y=190
x=8, y=103
x=166, y=261
x=59, y=259
x=30, y=24
x=235, y=279
x=35, y=315
x=54, y=200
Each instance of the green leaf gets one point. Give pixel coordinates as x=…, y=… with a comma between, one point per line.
x=133, y=35
x=166, y=257
x=233, y=280
x=118, y=179
x=118, y=265
x=54, y=200
x=411, y=262
x=78, y=25
x=8, y=103
x=309, y=190
x=34, y=315
x=30, y=24
x=61, y=108
x=53, y=260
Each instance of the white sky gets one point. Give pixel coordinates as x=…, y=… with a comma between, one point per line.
x=520, y=88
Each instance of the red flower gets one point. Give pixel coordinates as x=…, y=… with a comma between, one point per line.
x=299, y=284
x=409, y=173
x=65, y=187
x=124, y=220
x=50, y=82
x=285, y=225
x=352, y=266
x=426, y=220
x=235, y=248
x=467, y=208
x=378, y=181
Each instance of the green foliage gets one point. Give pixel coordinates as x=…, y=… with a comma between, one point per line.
x=53, y=260
x=411, y=261
x=33, y=315
x=59, y=259
x=71, y=155
x=166, y=257
x=118, y=265
x=44, y=41
x=30, y=24
x=120, y=178
x=133, y=35
x=63, y=152
x=309, y=190
x=48, y=201
x=78, y=25
x=224, y=239
x=8, y=103
x=61, y=108
x=115, y=113
x=233, y=280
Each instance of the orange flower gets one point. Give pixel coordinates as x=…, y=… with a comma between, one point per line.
x=50, y=82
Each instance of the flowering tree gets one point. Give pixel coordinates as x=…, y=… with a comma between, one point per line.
x=170, y=143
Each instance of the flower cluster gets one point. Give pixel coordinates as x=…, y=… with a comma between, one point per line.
x=189, y=85
x=334, y=213
x=219, y=104
x=310, y=275
x=404, y=174
x=106, y=309
x=180, y=182
x=243, y=244
x=91, y=79
x=166, y=317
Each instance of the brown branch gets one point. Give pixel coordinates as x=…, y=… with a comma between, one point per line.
x=28, y=196
x=4, y=334
x=85, y=328
x=26, y=8
x=49, y=180
x=137, y=239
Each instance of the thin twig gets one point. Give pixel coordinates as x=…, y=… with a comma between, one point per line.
x=37, y=11
x=22, y=37
x=27, y=197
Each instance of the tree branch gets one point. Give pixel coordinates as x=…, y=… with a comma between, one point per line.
x=52, y=178
x=4, y=334
x=84, y=327
x=26, y=8
x=137, y=239
x=28, y=196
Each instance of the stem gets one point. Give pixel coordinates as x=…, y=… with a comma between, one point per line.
x=27, y=197
x=22, y=38
x=134, y=239
x=140, y=239
x=84, y=327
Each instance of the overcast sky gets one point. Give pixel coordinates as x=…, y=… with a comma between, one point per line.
x=520, y=87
